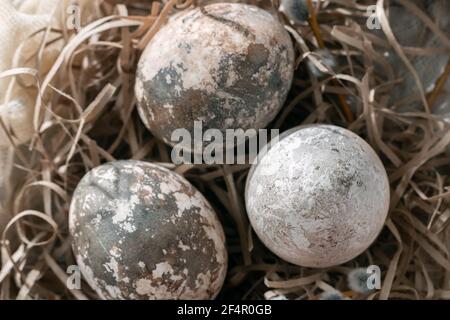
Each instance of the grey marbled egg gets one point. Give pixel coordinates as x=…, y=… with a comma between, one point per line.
x=230, y=67
x=319, y=197
x=141, y=231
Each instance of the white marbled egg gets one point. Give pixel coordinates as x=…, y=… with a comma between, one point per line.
x=319, y=197
x=141, y=231
x=228, y=65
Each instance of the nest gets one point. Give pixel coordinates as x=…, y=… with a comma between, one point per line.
x=90, y=118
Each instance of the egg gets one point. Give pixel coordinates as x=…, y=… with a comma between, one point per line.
x=318, y=197
x=141, y=231
x=227, y=65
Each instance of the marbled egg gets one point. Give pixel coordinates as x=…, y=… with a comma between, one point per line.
x=141, y=231
x=229, y=66
x=318, y=197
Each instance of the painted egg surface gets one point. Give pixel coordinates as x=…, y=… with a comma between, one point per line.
x=230, y=67
x=318, y=197
x=141, y=231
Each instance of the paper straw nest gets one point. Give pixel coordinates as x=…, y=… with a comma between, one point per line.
x=88, y=117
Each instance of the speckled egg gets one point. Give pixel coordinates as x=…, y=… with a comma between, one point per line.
x=318, y=197
x=229, y=66
x=141, y=231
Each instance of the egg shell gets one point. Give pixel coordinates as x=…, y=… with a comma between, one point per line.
x=141, y=231
x=319, y=197
x=229, y=68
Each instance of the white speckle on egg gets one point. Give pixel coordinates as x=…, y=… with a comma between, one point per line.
x=182, y=246
x=113, y=267
x=124, y=213
x=144, y=287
